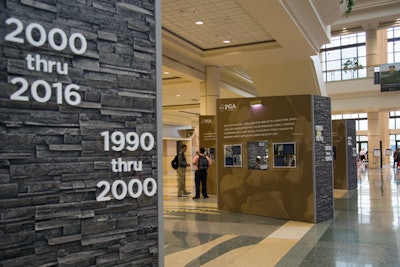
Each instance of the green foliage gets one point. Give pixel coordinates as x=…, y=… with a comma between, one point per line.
x=352, y=65
x=349, y=6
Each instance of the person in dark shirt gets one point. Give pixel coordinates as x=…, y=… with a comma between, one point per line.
x=200, y=175
x=182, y=165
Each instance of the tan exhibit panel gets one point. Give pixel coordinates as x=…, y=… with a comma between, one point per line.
x=266, y=152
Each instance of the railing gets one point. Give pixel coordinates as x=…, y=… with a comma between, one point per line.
x=341, y=74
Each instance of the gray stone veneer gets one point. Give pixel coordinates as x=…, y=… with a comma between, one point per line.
x=351, y=155
x=52, y=156
x=323, y=160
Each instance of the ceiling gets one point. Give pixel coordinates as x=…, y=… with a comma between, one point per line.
x=237, y=35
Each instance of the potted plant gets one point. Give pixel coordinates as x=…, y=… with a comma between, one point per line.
x=352, y=65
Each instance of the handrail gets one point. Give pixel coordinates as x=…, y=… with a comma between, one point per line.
x=341, y=74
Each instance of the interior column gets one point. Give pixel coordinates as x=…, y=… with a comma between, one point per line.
x=384, y=130
x=371, y=47
x=209, y=91
x=374, y=138
x=380, y=119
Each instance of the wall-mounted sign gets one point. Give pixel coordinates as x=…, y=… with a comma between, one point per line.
x=377, y=152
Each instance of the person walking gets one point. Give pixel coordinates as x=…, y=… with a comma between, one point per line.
x=182, y=165
x=395, y=154
x=202, y=162
x=398, y=158
x=362, y=154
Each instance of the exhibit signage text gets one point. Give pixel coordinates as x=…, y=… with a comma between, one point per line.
x=120, y=189
x=43, y=91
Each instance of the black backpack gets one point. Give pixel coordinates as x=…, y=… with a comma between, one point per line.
x=202, y=163
x=174, y=163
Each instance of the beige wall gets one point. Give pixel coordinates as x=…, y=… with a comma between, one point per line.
x=283, y=192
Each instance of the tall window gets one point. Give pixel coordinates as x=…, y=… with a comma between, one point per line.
x=360, y=118
x=393, y=35
x=344, y=48
x=394, y=140
x=361, y=142
x=394, y=125
x=394, y=120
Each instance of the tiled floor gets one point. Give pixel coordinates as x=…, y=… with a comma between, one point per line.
x=365, y=231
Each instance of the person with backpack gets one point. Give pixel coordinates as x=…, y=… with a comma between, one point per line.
x=202, y=162
x=182, y=165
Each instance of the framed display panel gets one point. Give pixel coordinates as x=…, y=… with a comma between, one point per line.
x=233, y=155
x=377, y=152
x=390, y=77
x=257, y=155
x=285, y=155
x=210, y=152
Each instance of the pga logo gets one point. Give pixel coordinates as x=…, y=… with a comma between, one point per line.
x=227, y=107
x=206, y=121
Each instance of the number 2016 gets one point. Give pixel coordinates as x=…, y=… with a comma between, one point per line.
x=129, y=141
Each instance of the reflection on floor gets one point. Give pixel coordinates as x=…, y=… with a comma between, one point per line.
x=365, y=231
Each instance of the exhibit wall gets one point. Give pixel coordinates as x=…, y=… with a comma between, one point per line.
x=323, y=157
x=78, y=130
x=345, y=159
x=208, y=140
x=268, y=157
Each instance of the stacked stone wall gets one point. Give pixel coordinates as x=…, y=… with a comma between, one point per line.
x=74, y=76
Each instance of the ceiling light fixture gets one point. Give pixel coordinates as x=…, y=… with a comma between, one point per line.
x=178, y=95
x=199, y=22
x=166, y=72
x=227, y=41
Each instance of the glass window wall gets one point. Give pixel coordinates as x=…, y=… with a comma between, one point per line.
x=347, y=49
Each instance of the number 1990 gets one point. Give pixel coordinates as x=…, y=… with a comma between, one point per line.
x=129, y=141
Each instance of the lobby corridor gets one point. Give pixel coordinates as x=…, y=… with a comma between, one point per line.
x=365, y=231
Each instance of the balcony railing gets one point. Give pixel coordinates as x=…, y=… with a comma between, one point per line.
x=341, y=74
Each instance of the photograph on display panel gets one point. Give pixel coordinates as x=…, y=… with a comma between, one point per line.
x=210, y=152
x=233, y=155
x=285, y=155
x=257, y=155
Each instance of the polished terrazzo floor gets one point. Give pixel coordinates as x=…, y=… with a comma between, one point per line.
x=365, y=231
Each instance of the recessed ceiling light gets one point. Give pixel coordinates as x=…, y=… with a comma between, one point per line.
x=227, y=41
x=344, y=29
x=199, y=22
x=166, y=72
x=178, y=95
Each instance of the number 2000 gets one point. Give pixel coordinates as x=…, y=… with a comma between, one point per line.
x=65, y=41
x=119, y=189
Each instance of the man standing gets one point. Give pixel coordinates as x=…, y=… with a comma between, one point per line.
x=202, y=162
x=395, y=155
x=182, y=165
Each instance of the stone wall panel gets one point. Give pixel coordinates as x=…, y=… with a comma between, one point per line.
x=52, y=153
